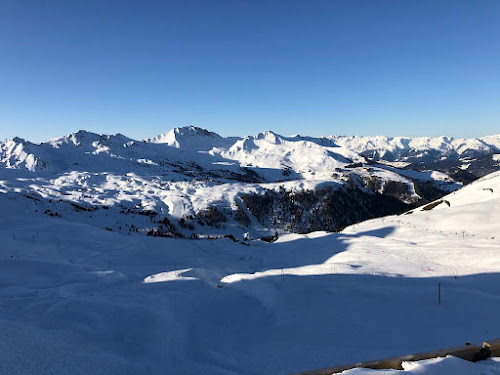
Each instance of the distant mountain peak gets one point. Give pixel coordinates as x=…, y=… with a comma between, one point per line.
x=19, y=140
x=270, y=136
x=194, y=130
x=77, y=138
x=187, y=136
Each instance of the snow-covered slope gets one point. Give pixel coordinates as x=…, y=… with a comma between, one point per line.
x=78, y=299
x=460, y=221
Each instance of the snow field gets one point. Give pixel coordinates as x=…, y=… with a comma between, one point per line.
x=78, y=299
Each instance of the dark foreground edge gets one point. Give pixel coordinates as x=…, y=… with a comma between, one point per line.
x=469, y=352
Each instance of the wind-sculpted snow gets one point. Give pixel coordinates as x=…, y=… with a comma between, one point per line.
x=179, y=174
x=76, y=299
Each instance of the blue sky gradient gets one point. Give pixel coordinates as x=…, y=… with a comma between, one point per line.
x=391, y=67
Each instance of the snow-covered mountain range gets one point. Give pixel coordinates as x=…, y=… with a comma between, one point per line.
x=191, y=181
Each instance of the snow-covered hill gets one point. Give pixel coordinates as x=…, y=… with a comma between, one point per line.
x=78, y=299
x=190, y=181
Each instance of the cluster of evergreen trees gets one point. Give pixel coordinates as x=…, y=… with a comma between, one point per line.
x=321, y=209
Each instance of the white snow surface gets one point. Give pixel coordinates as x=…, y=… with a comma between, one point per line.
x=82, y=300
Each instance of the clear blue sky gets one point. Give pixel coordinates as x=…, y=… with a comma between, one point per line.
x=402, y=67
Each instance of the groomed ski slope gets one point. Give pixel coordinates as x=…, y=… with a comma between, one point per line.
x=77, y=299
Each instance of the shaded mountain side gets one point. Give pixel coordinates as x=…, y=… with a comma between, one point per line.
x=322, y=209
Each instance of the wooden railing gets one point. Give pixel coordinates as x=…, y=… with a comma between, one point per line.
x=469, y=352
